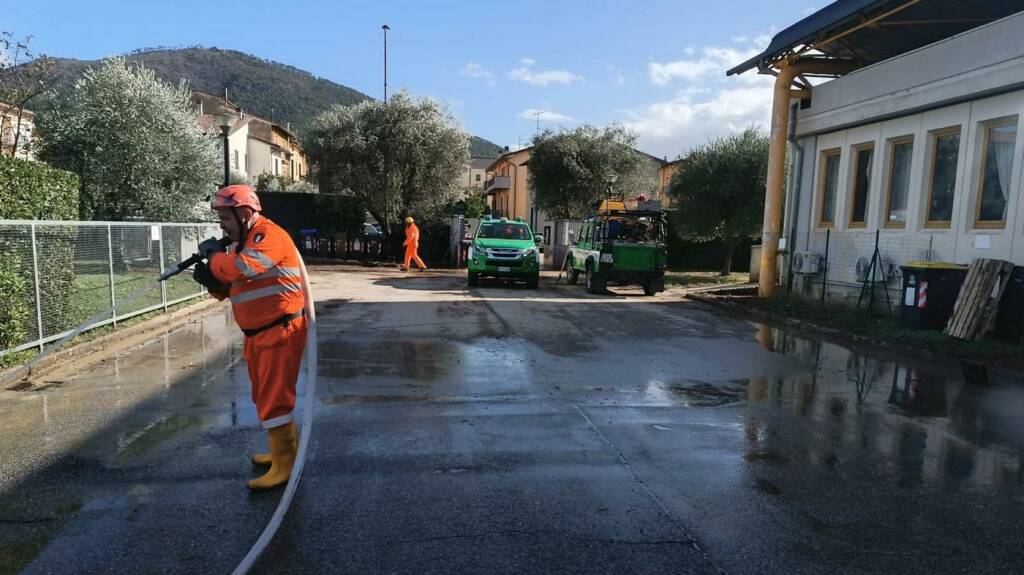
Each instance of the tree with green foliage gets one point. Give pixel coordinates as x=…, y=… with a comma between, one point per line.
x=270, y=183
x=476, y=205
x=134, y=142
x=719, y=191
x=399, y=157
x=570, y=171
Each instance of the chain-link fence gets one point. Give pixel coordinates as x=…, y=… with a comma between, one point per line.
x=54, y=276
x=846, y=248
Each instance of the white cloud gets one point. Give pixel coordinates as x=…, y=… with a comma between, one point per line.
x=525, y=74
x=545, y=116
x=695, y=115
x=705, y=103
x=712, y=61
x=810, y=10
x=474, y=70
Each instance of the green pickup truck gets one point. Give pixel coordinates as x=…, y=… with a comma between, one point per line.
x=622, y=247
x=507, y=249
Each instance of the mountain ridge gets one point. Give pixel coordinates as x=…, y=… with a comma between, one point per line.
x=278, y=92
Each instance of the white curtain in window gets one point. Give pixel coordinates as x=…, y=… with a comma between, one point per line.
x=1002, y=142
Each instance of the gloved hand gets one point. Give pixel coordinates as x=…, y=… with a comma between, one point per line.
x=204, y=277
x=210, y=247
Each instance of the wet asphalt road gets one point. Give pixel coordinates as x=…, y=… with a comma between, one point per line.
x=510, y=431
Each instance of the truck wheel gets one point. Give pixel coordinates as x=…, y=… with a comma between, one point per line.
x=650, y=286
x=574, y=274
x=595, y=281
x=533, y=282
x=473, y=280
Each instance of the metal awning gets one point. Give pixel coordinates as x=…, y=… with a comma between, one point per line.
x=863, y=32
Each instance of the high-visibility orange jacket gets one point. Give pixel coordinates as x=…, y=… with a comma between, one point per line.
x=412, y=237
x=264, y=278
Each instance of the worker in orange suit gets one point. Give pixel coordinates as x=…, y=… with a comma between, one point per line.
x=412, y=244
x=261, y=274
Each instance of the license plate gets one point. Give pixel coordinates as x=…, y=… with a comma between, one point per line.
x=606, y=258
x=504, y=269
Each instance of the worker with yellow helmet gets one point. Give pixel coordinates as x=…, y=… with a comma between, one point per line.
x=412, y=244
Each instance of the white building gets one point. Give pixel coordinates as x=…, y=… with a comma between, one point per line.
x=921, y=142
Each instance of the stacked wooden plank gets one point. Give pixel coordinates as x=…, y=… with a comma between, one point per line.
x=976, y=307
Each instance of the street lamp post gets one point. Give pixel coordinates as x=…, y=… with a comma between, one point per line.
x=225, y=121
x=385, y=28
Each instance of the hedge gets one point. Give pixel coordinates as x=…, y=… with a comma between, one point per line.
x=35, y=191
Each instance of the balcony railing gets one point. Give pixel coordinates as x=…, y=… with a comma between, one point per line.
x=497, y=183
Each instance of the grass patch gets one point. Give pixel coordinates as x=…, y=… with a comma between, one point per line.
x=693, y=279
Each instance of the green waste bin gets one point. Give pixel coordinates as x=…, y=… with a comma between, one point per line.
x=929, y=293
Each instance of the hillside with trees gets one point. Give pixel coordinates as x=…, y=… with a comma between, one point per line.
x=278, y=92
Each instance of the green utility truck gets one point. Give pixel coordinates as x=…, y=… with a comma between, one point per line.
x=620, y=246
x=504, y=248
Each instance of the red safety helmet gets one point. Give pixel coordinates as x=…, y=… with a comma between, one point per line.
x=236, y=196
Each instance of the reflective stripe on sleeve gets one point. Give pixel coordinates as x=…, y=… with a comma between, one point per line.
x=247, y=270
x=265, y=292
x=280, y=272
x=259, y=256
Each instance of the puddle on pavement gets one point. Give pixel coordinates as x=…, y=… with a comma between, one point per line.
x=154, y=435
x=931, y=419
x=352, y=399
x=695, y=393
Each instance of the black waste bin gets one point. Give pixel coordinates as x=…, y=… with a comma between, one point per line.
x=1010, y=321
x=929, y=293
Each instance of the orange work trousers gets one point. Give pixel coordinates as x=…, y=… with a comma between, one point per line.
x=274, y=358
x=412, y=256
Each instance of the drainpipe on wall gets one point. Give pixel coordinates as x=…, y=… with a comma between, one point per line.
x=793, y=197
x=777, y=160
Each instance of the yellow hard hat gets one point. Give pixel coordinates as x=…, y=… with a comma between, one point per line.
x=409, y=220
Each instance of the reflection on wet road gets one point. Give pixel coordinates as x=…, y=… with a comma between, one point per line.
x=510, y=430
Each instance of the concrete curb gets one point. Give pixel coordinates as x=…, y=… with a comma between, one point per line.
x=103, y=346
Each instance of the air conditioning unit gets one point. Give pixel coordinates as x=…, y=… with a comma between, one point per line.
x=887, y=270
x=806, y=263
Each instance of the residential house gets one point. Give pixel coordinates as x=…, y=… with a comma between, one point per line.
x=917, y=138
x=255, y=146
x=17, y=131
x=665, y=173
x=474, y=178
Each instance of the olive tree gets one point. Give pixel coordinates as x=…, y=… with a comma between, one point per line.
x=403, y=156
x=719, y=191
x=572, y=170
x=135, y=144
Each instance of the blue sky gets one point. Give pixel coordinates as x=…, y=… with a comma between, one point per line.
x=657, y=66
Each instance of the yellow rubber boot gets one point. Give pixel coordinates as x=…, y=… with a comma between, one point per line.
x=283, y=445
x=264, y=459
